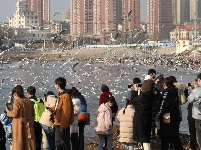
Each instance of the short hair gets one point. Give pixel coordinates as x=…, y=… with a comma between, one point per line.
x=104, y=88
x=168, y=82
x=109, y=99
x=173, y=79
x=31, y=90
x=151, y=71
x=19, y=91
x=74, y=91
x=61, y=82
x=199, y=76
x=136, y=80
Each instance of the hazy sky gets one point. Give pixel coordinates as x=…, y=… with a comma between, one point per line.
x=8, y=7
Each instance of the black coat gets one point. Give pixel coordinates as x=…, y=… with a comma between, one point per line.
x=2, y=137
x=143, y=117
x=170, y=103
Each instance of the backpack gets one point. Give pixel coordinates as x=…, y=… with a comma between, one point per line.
x=39, y=108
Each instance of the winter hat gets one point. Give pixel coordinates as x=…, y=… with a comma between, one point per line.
x=147, y=85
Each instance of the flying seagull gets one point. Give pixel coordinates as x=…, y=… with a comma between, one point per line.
x=128, y=16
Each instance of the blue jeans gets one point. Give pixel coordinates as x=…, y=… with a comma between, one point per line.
x=101, y=141
x=129, y=146
x=50, y=137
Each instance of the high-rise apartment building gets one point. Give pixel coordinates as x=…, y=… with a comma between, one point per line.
x=134, y=22
x=105, y=15
x=81, y=16
x=195, y=9
x=22, y=18
x=42, y=9
x=180, y=11
x=159, y=18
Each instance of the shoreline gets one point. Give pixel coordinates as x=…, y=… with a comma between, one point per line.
x=87, y=54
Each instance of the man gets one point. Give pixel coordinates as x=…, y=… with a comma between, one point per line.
x=64, y=115
x=151, y=74
x=195, y=98
x=39, y=109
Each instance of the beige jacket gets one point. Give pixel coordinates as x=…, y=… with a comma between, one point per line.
x=126, y=124
x=45, y=118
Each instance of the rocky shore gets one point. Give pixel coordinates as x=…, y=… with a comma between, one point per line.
x=155, y=142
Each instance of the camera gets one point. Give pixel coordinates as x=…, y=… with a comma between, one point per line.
x=140, y=85
x=189, y=84
x=129, y=86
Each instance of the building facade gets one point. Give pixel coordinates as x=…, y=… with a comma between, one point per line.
x=195, y=9
x=134, y=23
x=105, y=16
x=41, y=8
x=23, y=18
x=81, y=16
x=159, y=18
x=180, y=11
x=185, y=32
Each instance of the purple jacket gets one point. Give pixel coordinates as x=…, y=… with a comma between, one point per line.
x=104, y=120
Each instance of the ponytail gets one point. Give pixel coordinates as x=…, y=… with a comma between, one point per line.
x=127, y=103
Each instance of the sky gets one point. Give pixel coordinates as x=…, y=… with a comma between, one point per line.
x=8, y=7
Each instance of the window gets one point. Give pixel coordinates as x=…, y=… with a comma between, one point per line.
x=34, y=35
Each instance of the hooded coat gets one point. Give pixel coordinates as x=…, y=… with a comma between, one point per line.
x=169, y=103
x=104, y=120
x=22, y=125
x=45, y=118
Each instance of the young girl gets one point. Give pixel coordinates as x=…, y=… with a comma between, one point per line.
x=104, y=123
x=126, y=117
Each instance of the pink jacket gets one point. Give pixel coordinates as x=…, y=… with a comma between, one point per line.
x=104, y=120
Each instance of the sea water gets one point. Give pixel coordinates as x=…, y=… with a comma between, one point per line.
x=87, y=78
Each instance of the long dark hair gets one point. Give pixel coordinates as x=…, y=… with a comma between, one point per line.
x=19, y=91
x=127, y=103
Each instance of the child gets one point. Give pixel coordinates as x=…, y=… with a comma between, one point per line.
x=125, y=117
x=104, y=123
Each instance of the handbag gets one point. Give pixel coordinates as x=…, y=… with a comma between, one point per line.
x=83, y=116
x=166, y=116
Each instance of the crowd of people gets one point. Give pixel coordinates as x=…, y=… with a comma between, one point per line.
x=153, y=109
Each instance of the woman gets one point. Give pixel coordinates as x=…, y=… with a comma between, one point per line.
x=46, y=124
x=143, y=116
x=125, y=117
x=169, y=103
x=104, y=123
x=83, y=108
x=23, y=121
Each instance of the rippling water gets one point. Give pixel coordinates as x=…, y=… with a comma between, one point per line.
x=87, y=78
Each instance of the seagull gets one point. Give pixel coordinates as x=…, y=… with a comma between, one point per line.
x=56, y=13
x=115, y=38
x=128, y=16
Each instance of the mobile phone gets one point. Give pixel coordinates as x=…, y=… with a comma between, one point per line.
x=189, y=84
x=9, y=106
